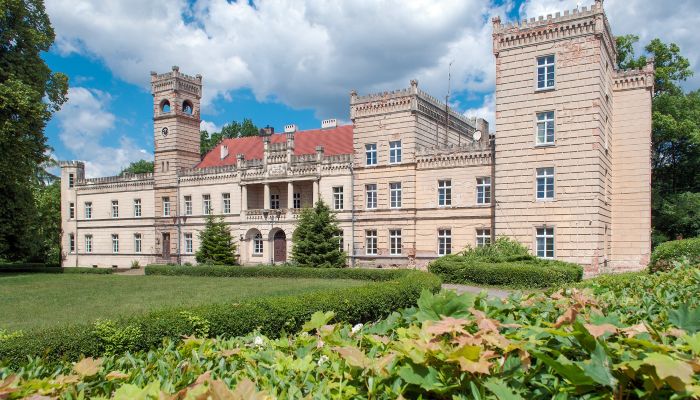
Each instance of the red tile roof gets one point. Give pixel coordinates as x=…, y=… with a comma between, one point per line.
x=334, y=141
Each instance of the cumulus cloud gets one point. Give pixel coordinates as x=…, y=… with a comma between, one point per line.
x=487, y=111
x=209, y=126
x=84, y=120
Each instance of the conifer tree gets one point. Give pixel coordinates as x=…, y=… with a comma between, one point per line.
x=216, y=244
x=315, y=242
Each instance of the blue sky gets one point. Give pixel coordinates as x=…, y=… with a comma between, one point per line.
x=282, y=61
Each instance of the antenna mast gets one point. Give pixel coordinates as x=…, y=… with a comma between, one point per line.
x=447, y=107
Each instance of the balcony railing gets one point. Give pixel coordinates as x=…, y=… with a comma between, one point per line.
x=258, y=214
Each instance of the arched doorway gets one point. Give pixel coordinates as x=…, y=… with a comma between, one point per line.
x=279, y=245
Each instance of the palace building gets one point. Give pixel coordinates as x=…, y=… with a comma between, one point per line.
x=566, y=171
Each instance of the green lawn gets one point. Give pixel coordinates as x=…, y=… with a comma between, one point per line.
x=43, y=300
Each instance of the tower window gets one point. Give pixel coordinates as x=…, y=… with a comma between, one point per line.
x=187, y=107
x=545, y=128
x=545, y=72
x=165, y=106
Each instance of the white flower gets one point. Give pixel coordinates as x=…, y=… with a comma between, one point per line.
x=323, y=359
x=356, y=328
x=258, y=341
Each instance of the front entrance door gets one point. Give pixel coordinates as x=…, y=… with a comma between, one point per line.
x=280, y=246
x=166, y=246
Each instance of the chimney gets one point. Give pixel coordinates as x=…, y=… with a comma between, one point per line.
x=329, y=123
x=291, y=128
x=267, y=131
x=224, y=151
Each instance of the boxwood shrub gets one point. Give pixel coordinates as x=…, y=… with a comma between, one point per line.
x=666, y=253
x=50, y=269
x=365, y=274
x=392, y=290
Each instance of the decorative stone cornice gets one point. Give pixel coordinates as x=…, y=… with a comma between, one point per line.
x=115, y=182
x=453, y=156
x=635, y=78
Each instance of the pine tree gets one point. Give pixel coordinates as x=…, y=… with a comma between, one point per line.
x=316, y=241
x=216, y=244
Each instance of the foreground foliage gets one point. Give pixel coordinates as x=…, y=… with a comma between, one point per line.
x=630, y=338
x=504, y=263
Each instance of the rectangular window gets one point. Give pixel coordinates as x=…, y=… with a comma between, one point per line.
x=88, y=210
x=188, y=243
x=71, y=210
x=341, y=242
x=71, y=180
x=371, y=242
x=395, y=194
x=71, y=243
x=483, y=237
x=226, y=200
x=545, y=242
x=483, y=190
x=371, y=194
x=166, y=206
x=338, y=198
x=395, y=152
x=188, y=205
x=115, y=243
x=371, y=153
x=258, y=244
x=206, y=204
x=395, y=245
x=545, y=72
x=545, y=183
x=137, y=242
x=297, y=200
x=444, y=241
x=115, y=209
x=445, y=193
x=545, y=128
x=88, y=243
x=275, y=201
x=137, y=208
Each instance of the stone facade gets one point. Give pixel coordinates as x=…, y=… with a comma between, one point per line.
x=567, y=172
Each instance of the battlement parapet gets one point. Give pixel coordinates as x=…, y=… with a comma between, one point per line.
x=207, y=170
x=476, y=153
x=116, y=179
x=634, y=78
x=175, y=80
x=71, y=163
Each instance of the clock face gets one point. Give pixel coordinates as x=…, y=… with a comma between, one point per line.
x=164, y=131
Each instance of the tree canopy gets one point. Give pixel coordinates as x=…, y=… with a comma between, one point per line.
x=29, y=95
x=229, y=131
x=316, y=240
x=138, y=167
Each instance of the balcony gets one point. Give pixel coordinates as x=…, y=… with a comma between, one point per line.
x=262, y=214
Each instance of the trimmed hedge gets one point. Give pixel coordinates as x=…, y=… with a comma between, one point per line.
x=363, y=274
x=528, y=273
x=50, y=269
x=666, y=253
x=271, y=316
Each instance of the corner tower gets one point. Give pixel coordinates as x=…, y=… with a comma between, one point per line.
x=176, y=120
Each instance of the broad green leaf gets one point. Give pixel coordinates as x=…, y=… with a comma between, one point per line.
x=566, y=368
x=318, y=319
x=694, y=343
x=425, y=377
x=598, y=367
x=133, y=392
x=432, y=307
x=353, y=356
x=677, y=373
x=685, y=318
x=501, y=390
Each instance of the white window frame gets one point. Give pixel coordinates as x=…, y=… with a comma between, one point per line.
x=296, y=200
x=338, y=198
x=544, y=239
x=371, y=242
x=395, y=152
x=258, y=244
x=274, y=201
x=206, y=204
x=71, y=180
x=138, y=243
x=115, y=243
x=188, y=205
x=371, y=154
x=71, y=243
x=545, y=124
x=71, y=210
x=115, y=208
x=483, y=237
x=88, y=243
x=88, y=210
x=483, y=190
x=166, y=206
x=395, y=199
x=137, y=208
x=545, y=66
x=371, y=196
x=444, y=242
x=341, y=240
x=226, y=203
x=444, y=193
x=395, y=242
x=546, y=176
x=189, y=246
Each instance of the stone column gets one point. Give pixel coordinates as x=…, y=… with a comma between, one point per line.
x=315, y=193
x=266, y=196
x=244, y=198
x=290, y=195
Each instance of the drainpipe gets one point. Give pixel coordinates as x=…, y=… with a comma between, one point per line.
x=352, y=216
x=177, y=216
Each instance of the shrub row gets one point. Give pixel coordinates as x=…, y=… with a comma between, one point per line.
x=50, y=269
x=363, y=274
x=528, y=273
x=665, y=254
x=271, y=315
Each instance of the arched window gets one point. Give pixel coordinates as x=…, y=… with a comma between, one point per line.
x=165, y=106
x=187, y=107
x=258, y=243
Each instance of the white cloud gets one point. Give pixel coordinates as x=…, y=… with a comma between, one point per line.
x=487, y=111
x=84, y=121
x=209, y=126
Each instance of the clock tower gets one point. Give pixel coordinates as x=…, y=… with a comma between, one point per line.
x=176, y=119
